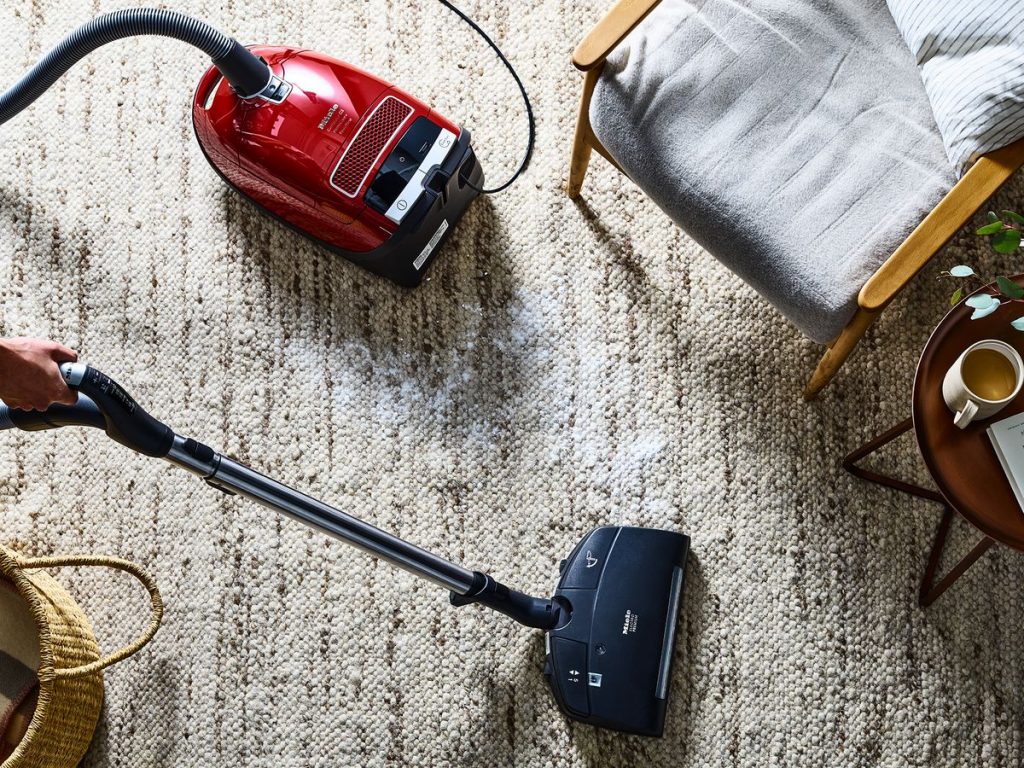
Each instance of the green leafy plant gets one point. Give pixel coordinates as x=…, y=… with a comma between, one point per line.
x=1004, y=233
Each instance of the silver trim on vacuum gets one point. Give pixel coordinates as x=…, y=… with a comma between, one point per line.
x=668, y=642
x=73, y=373
x=436, y=155
x=275, y=91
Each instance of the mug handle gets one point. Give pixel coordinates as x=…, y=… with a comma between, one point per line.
x=964, y=416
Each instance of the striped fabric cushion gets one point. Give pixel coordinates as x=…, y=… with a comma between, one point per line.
x=971, y=56
x=793, y=139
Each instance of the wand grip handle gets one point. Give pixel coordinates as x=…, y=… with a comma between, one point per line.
x=125, y=420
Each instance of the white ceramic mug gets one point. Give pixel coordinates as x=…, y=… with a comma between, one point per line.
x=978, y=385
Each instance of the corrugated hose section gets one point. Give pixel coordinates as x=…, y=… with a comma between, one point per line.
x=100, y=31
x=5, y=417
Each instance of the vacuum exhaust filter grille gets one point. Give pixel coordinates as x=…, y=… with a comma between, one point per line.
x=369, y=143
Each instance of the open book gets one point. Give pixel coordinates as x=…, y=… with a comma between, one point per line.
x=1007, y=438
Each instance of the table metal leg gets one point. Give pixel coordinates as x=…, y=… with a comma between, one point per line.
x=930, y=590
x=850, y=465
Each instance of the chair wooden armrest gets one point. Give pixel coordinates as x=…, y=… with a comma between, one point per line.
x=609, y=32
x=976, y=186
x=947, y=218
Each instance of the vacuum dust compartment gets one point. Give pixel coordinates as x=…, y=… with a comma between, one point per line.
x=610, y=664
x=344, y=158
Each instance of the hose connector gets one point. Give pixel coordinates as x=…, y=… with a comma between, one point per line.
x=249, y=76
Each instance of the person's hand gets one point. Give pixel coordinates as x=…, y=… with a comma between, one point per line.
x=29, y=376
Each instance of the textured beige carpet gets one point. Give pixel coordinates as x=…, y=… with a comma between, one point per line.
x=566, y=365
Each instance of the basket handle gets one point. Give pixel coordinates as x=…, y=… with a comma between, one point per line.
x=118, y=564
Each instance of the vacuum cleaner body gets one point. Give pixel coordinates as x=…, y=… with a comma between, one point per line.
x=343, y=157
x=610, y=664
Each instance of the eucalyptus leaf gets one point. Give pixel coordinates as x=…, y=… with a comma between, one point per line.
x=1018, y=323
x=961, y=270
x=1016, y=218
x=991, y=217
x=981, y=301
x=989, y=229
x=955, y=298
x=1009, y=288
x=980, y=313
x=1006, y=241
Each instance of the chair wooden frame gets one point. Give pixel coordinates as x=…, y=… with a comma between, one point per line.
x=968, y=195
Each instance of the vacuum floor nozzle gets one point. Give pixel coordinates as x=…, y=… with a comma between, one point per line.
x=610, y=665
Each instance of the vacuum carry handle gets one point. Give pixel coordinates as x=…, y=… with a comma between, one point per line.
x=124, y=420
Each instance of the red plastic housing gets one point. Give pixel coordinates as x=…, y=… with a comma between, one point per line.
x=309, y=159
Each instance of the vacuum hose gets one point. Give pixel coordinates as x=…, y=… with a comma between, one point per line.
x=246, y=73
x=6, y=422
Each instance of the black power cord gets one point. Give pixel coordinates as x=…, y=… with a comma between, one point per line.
x=526, y=101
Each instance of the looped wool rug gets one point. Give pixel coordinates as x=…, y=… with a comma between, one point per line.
x=567, y=364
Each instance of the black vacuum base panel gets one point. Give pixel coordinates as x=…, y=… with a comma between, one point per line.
x=610, y=665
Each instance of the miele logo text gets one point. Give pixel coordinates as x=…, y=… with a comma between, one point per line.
x=328, y=116
x=629, y=623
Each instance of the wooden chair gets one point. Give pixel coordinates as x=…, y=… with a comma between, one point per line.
x=966, y=197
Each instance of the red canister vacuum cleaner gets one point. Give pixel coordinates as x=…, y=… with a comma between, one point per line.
x=337, y=154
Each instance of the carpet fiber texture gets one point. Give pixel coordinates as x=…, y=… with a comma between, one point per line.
x=566, y=365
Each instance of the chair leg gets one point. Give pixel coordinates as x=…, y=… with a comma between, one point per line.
x=579, y=162
x=838, y=351
x=581, y=146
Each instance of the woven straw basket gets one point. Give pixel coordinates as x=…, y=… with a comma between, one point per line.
x=70, y=667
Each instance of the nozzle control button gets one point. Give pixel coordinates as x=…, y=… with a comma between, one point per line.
x=584, y=571
x=198, y=451
x=434, y=158
x=570, y=673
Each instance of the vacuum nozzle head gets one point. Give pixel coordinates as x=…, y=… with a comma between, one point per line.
x=610, y=665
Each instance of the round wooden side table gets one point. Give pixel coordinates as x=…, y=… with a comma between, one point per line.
x=962, y=462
